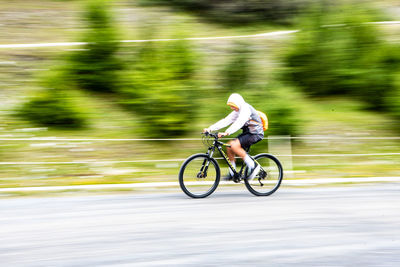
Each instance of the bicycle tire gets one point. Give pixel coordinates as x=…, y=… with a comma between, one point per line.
x=189, y=181
x=274, y=176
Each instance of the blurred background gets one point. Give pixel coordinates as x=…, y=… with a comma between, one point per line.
x=104, y=92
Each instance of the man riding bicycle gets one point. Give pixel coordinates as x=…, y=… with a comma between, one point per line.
x=244, y=117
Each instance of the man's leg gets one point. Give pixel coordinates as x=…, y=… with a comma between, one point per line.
x=237, y=149
x=231, y=156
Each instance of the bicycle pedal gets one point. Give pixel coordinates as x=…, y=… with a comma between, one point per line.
x=236, y=178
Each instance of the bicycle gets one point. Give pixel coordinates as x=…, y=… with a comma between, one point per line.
x=200, y=174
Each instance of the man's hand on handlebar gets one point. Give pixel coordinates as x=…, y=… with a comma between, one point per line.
x=207, y=131
x=220, y=135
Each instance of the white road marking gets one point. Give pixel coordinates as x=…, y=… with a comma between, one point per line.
x=198, y=139
x=179, y=160
x=259, y=35
x=175, y=184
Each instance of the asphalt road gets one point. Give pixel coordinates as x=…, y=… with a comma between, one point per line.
x=340, y=226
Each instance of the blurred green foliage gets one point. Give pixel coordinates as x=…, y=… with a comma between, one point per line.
x=162, y=89
x=393, y=101
x=52, y=108
x=336, y=53
x=96, y=66
x=236, y=73
x=271, y=98
x=340, y=53
x=282, y=106
x=239, y=11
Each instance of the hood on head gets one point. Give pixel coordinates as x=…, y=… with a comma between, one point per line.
x=235, y=100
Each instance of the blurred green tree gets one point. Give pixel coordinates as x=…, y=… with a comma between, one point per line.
x=393, y=100
x=235, y=74
x=275, y=99
x=281, y=105
x=96, y=66
x=239, y=11
x=272, y=98
x=162, y=90
x=52, y=108
x=340, y=52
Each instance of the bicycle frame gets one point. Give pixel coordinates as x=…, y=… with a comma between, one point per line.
x=237, y=176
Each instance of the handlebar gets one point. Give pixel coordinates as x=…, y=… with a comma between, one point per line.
x=211, y=134
x=215, y=136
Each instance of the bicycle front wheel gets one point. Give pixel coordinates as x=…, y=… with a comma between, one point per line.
x=199, y=176
x=268, y=180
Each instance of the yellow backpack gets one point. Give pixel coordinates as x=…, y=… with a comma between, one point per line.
x=264, y=119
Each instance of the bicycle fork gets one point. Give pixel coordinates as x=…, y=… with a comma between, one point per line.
x=204, y=167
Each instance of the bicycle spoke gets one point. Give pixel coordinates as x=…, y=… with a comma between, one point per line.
x=199, y=176
x=269, y=178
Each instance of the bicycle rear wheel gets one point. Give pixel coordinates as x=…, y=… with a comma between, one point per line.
x=268, y=180
x=199, y=176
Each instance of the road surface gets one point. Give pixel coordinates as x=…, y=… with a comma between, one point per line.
x=339, y=226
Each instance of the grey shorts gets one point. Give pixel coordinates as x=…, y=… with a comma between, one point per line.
x=247, y=139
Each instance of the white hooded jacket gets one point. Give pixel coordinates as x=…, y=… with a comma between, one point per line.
x=245, y=116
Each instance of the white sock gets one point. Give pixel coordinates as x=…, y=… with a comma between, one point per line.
x=249, y=162
x=234, y=166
